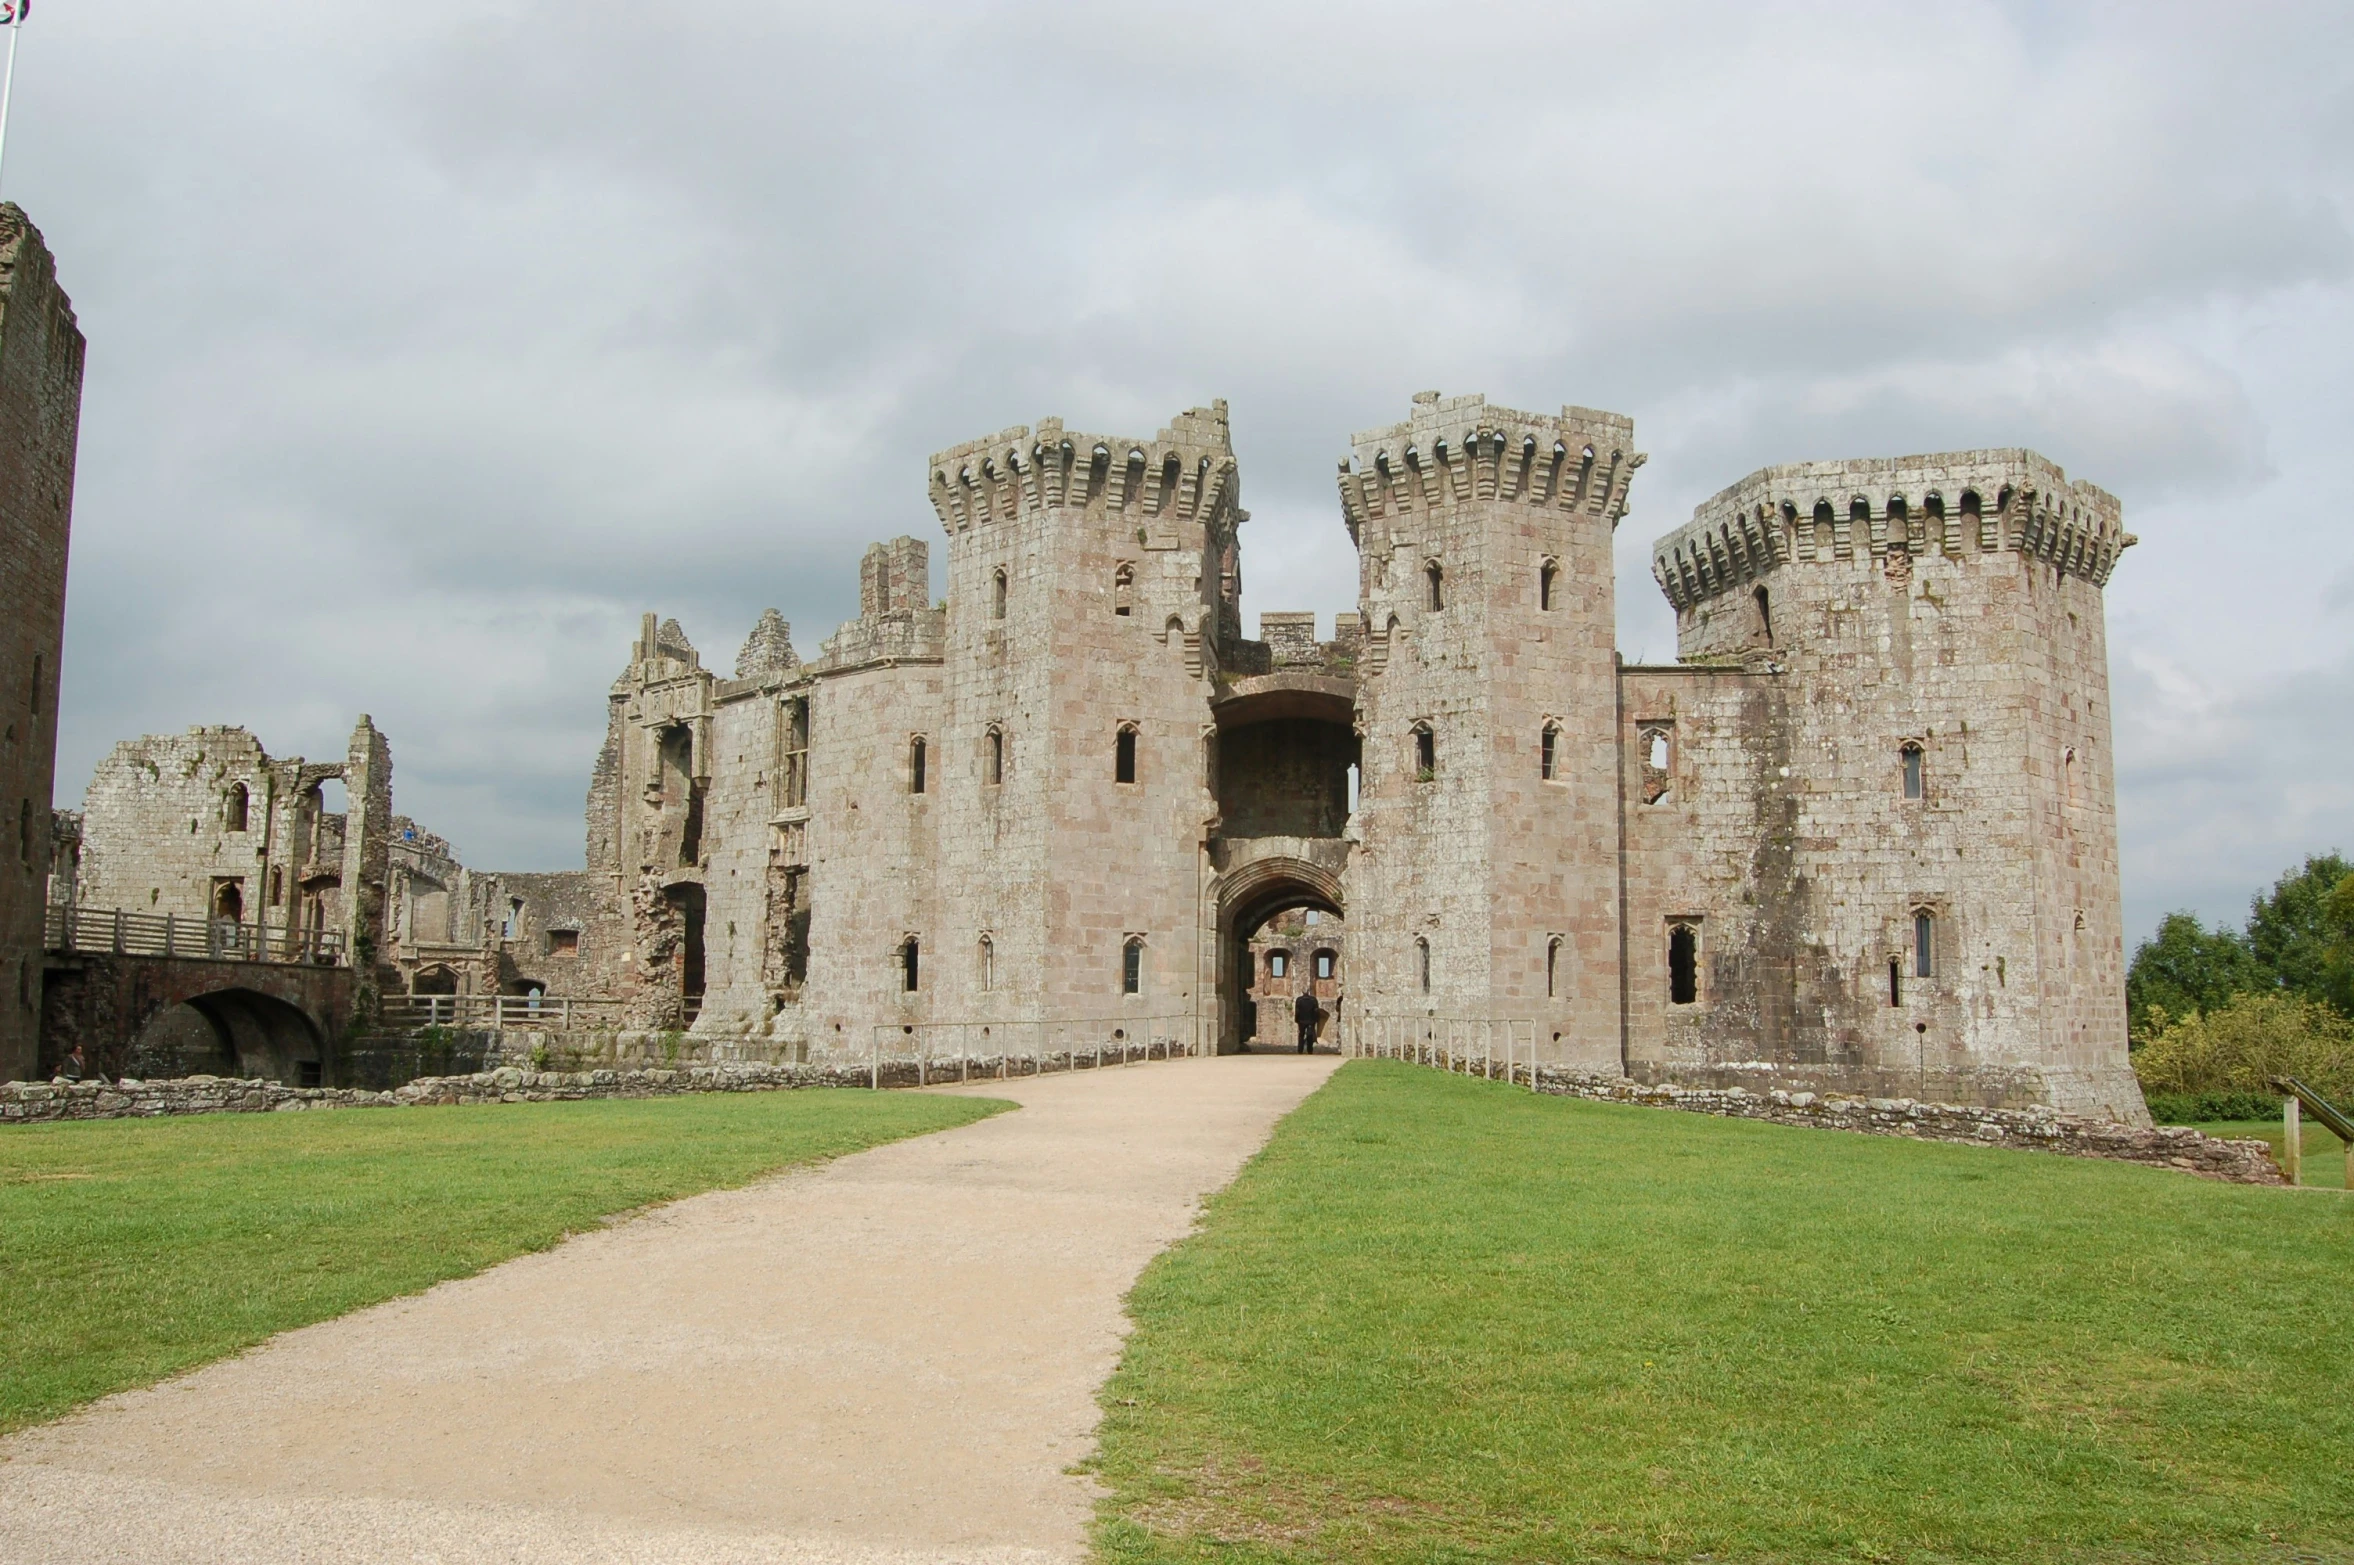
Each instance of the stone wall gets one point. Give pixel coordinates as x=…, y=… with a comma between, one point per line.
x=40, y=421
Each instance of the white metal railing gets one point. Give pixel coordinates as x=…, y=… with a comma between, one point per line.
x=96, y=930
x=535, y=1012
x=1498, y=1048
x=967, y=1051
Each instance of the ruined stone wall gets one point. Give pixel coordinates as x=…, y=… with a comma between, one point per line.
x=40, y=420
x=1503, y=872
x=1949, y=604
x=1300, y=935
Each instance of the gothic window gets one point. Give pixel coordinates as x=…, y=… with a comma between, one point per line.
x=988, y=964
x=915, y=764
x=1132, y=965
x=1553, y=968
x=1426, y=753
x=1545, y=575
x=1924, y=943
x=1911, y=754
x=910, y=957
x=238, y=809
x=1435, y=577
x=1895, y=981
x=1655, y=745
x=2068, y=777
x=228, y=901
x=1422, y=961
x=1123, y=583
x=994, y=757
x=1549, y=753
x=1683, y=964
x=1765, y=614
x=1124, y=754
x=997, y=594
x=796, y=751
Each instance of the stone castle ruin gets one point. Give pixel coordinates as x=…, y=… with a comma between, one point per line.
x=1860, y=837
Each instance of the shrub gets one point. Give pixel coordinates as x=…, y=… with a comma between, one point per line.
x=2240, y=1047
x=2204, y=1108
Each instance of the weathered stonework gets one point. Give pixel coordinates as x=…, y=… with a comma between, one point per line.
x=1861, y=838
x=40, y=420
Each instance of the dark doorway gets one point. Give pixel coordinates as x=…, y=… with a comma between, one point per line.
x=688, y=900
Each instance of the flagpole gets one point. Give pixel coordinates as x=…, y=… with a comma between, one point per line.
x=16, y=19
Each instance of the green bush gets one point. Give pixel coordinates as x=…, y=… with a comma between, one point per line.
x=2206, y=1108
x=2241, y=1047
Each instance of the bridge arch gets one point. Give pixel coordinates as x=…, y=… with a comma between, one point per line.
x=230, y=1031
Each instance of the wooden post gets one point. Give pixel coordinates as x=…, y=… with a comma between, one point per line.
x=2293, y=1140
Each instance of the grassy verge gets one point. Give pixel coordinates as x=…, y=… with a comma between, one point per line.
x=2325, y=1154
x=1443, y=1320
x=133, y=1249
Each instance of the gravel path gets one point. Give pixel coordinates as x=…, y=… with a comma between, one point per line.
x=890, y=1358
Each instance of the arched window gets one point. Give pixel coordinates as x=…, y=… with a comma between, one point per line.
x=1426, y=753
x=915, y=764
x=1683, y=964
x=1436, y=578
x=1123, y=584
x=1655, y=749
x=277, y=887
x=1549, y=753
x=993, y=757
x=1911, y=754
x=238, y=808
x=1765, y=613
x=1553, y=968
x=1895, y=981
x=1545, y=574
x=997, y=594
x=1422, y=961
x=910, y=961
x=2068, y=777
x=988, y=964
x=229, y=901
x=1924, y=943
x=1124, y=754
x=1132, y=965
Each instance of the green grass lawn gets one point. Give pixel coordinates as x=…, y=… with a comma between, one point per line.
x=1444, y=1320
x=2325, y=1154
x=133, y=1249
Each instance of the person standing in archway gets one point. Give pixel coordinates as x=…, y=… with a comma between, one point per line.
x=1305, y=1014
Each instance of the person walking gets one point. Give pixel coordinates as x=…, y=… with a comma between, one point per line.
x=73, y=1068
x=1303, y=1012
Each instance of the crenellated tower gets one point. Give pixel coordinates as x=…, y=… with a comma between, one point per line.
x=1484, y=883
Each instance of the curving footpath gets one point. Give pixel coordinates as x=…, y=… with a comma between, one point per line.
x=889, y=1358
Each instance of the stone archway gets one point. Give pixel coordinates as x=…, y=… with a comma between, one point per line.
x=230, y=1032
x=1248, y=894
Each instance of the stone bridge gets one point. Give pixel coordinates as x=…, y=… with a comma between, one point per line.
x=223, y=1000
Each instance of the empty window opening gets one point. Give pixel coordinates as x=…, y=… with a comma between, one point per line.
x=1895, y=981
x=1422, y=961
x=1124, y=755
x=1765, y=614
x=1912, y=770
x=239, y=807
x=2068, y=778
x=915, y=765
x=690, y=834
x=1278, y=964
x=277, y=888
x=229, y=901
x=1683, y=964
x=1426, y=753
x=1353, y=785
x=796, y=750
x=997, y=595
x=988, y=964
x=563, y=942
x=1123, y=584
x=910, y=962
x=1924, y=944
x=1324, y=964
x=1171, y=475
x=514, y=919
x=1655, y=747
x=37, y=684
x=1549, y=753
x=1436, y=578
x=1553, y=968
x=1132, y=966
x=994, y=758
x=1545, y=574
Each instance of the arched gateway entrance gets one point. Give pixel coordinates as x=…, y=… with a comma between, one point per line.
x=1284, y=773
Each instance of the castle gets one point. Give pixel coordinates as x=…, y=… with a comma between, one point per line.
x=1860, y=837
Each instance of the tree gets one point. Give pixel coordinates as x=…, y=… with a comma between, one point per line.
x=2188, y=969
x=2303, y=933
x=2241, y=1046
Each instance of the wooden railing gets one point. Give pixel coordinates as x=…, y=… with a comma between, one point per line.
x=2295, y=1095
x=114, y=931
x=531, y=1012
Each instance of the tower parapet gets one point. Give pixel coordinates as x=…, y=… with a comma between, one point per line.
x=1187, y=470
x=1456, y=449
x=1952, y=503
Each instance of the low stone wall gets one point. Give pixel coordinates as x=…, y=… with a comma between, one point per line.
x=2031, y=1129
x=38, y=1102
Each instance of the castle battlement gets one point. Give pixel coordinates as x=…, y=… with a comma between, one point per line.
x=1187, y=471
x=1454, y=450
x=1952, y=503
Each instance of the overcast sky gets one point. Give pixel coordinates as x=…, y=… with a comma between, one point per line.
x=430, y=345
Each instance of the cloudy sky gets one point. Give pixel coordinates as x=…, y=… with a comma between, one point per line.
x=430, y=345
